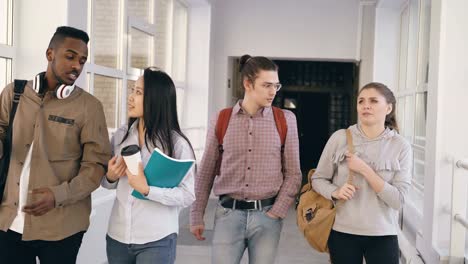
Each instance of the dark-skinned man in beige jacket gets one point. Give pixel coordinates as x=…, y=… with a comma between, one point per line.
x=60, y=146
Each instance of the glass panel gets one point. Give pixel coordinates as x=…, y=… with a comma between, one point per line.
x=409, y=117
x=130, y=84
x=88, y=82
x=421, y=116
x=416, y=197
x=105, y=89
x=162, y=28
x=106, y=30
x=141, y=9
x=4, y=17
x=180, y=102
x=179, y=51
x=418, y=175
x=400, y=113
x=403, y=49
x=5, y=72
x=141, y=49
x=424, y=31
x=412, y=57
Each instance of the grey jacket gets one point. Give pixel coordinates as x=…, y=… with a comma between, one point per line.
x=367, y=213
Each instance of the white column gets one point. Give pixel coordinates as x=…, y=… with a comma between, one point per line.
x=365, y=52
x=194, y=119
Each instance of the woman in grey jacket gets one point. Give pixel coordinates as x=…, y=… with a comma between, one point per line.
x=366, y=223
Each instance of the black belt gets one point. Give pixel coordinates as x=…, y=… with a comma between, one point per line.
x=228, y=202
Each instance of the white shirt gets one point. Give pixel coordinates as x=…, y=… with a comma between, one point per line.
x=18, y=222
x=135, y=221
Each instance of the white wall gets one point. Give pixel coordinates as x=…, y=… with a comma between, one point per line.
x=386, y=46
x=313, y=29
x=35, y=24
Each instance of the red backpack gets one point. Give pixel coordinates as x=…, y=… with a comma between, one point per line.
x=223, y=122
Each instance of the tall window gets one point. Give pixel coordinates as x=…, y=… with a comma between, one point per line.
x=7, y=51
x=128, y=36
x=412, y=88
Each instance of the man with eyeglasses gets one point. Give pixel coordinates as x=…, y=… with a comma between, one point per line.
x=251, y=160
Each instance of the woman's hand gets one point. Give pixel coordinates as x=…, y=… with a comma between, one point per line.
x=356, y=164
x=116, y=168
x=138, y=182
x=345, y=192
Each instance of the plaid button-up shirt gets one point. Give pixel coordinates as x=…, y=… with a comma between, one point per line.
x=251, y=162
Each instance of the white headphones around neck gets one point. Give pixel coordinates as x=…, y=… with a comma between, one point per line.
x=62, y=91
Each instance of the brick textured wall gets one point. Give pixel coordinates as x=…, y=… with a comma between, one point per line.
x=161, y=39
x=105, y=89
x=105, y=32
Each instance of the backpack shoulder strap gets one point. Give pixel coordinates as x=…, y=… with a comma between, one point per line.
x=18, y=90
x=222, y=124
x=19, y=86
x=281, y=124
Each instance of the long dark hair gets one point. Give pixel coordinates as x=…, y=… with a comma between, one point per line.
x=159, y=111
x=390, y=119
x=250, y=66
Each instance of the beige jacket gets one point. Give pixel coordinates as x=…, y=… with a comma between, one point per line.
x=70, y=154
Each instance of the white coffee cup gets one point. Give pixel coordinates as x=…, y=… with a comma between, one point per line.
x=131, y=156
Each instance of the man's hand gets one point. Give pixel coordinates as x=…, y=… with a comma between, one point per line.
x=197, y=231
x=271, y=215
x=139, y=182
x=44, y=205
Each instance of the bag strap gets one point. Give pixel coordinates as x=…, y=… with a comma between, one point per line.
x=349, y=140
x=225, y=115
x=222, y=124
x=7, y=143
x=281, y=125
x=18, y=91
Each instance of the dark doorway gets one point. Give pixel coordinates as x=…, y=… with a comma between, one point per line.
x=312, y=118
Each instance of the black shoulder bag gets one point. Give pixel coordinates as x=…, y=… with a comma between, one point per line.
x=7, y=142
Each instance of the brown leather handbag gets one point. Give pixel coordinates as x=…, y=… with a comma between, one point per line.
x=315, y=213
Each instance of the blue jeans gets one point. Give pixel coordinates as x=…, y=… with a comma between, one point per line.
x=236, y=230
x=162, y=251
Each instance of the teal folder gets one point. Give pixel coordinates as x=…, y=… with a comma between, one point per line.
x=164, y=171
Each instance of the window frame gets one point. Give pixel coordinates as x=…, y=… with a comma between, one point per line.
x=125, y=72
x=147, y=28
x=8, y=49
x=420, y=55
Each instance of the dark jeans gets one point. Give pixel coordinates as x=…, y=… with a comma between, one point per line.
x=162, y=251
x=350, y=249
x=14, y=250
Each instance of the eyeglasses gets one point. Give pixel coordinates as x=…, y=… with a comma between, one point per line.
x=269, y=86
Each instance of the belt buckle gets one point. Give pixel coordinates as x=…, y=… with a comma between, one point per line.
x=256, y=205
